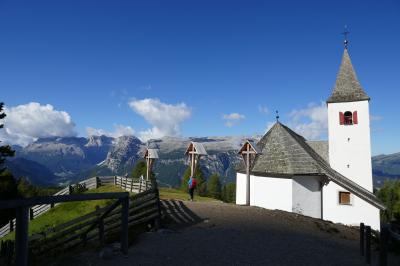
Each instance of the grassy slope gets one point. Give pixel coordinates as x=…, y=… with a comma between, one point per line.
x=70, y=210
x=67, y=211
x=171, y=193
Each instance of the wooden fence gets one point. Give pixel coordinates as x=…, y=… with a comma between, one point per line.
x=142, y=208
x=97, y=225
x=129, y=184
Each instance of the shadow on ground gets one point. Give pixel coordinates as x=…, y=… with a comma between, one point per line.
x=176, y=215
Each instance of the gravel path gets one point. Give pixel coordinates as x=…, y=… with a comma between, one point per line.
x=225, y=234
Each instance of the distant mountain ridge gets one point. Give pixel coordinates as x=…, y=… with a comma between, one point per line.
x=385, y=166
x=59, y=161
x=65, y=160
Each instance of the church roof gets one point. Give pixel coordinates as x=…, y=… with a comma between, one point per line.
x=285, y=153
x=321, y=147
x=347, y=87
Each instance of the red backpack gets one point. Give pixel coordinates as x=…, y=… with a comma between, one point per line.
x=194, y=183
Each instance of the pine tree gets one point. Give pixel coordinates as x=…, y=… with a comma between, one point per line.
x=185, y=179
x=140, y=169
x=229, y=193
x=214, y=187
x=389, y=194
x=8, y=186
x=5, y=151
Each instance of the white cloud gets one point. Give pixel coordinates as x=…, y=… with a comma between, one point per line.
x=28, y=122
x=310, y=122
x=232, y=119
x=164, y=118
x=263, y=109
x=119, y=130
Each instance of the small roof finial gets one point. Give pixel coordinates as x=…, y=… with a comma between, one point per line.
x=277, y=116
x=345, y=33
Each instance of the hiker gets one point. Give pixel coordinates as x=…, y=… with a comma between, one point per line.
x=192, y=185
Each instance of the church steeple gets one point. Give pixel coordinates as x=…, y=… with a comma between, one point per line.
x=347, y=87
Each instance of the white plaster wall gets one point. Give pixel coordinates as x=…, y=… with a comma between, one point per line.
x=359, y=210
x=241, y=189
x=307, y=196
x=271, y=193
x=355, y=152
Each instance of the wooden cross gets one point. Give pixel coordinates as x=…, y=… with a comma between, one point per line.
x=345, y=33
x=194, y=157
x=150, y=156
x=149, y=162
x=247, y=151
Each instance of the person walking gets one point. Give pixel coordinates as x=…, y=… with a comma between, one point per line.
x=192, y=183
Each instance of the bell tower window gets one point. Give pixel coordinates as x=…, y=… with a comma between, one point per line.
x=348, y=118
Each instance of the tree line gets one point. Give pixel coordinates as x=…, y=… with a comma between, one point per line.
x=389, y=194
x=212, y=187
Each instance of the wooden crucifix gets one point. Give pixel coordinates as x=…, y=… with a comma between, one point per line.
x=194, y=151
x=248, y=151
x=150, y=155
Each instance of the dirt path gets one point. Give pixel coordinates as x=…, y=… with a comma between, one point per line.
x=225, y=234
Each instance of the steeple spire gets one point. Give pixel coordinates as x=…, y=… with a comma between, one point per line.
x=347, y=87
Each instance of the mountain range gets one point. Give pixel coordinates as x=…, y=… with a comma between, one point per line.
x=60, y=161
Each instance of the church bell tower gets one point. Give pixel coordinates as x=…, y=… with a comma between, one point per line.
x=349, y=126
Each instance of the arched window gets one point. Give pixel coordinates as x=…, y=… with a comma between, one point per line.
x=348, y=118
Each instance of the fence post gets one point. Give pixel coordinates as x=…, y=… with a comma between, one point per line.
x=157, y=221
x=11, y=225
x=69, y=190
x=21, y=236
x=140, y=185
x=362, y=239
x=115, y=180
x=131, y=184
x=101, y=227
x=97, y=182
x=368, y=244
x=383, y=245
x=31, y=214
x=124, y=224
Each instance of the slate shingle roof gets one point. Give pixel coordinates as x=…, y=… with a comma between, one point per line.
x=321, y=147
x=285, y=153
x=347, y=87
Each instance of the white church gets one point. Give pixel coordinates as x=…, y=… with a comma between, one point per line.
x=330, y=180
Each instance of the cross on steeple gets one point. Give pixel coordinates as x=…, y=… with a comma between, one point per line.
x=277, y=116
x=345, y=33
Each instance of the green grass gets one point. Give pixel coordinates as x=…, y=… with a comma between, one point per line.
x=71, y=210
x=172, y=193
x=67, y=211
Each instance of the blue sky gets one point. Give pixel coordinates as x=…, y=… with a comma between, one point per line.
x=98, y=61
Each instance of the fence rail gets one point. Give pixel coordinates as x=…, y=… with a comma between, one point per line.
x=140, y=208
x=128, y=184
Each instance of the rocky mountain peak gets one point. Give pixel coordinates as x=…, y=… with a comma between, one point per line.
x=124, y=153
x=98, y=141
